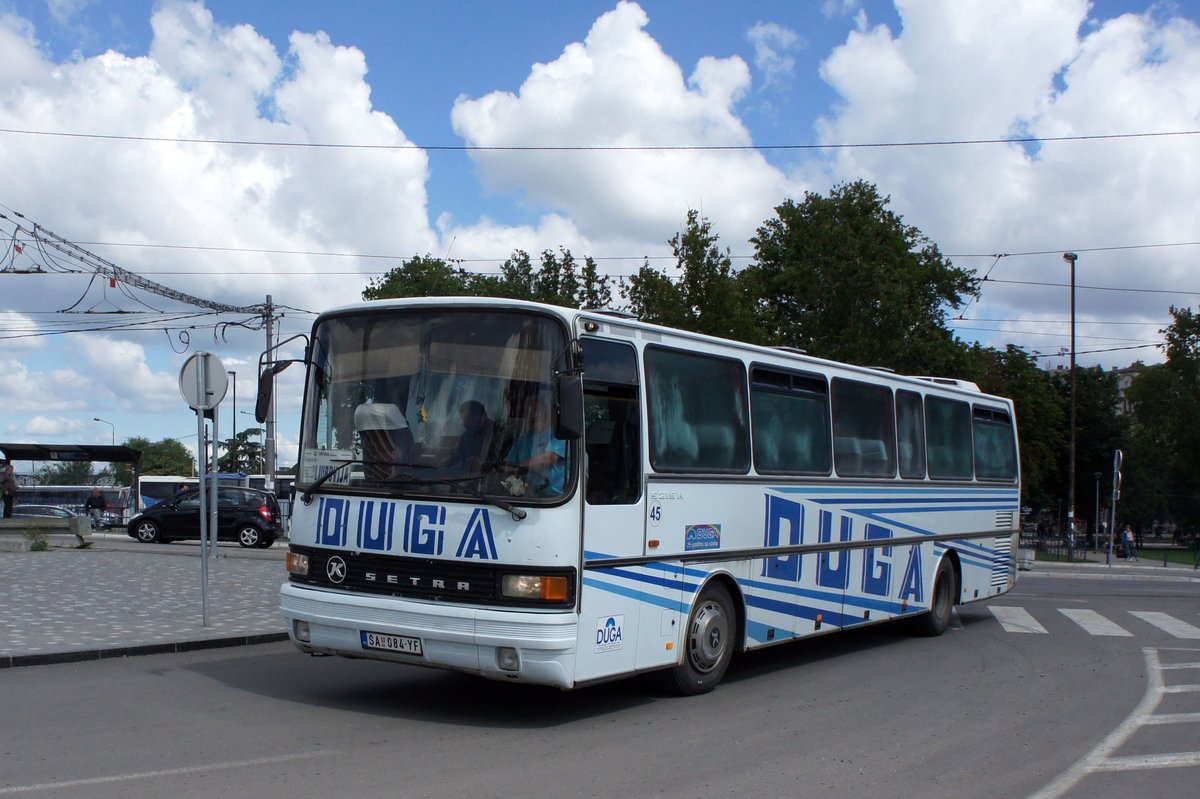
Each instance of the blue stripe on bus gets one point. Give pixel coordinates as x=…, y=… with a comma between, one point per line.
x=634, y=593
x=650, y=579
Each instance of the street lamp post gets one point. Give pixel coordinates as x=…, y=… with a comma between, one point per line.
x=110, y=424
x=1070, y=258
x=233, y=435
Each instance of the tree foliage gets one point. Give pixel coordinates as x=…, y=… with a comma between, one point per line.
x=707, y=298
x=243, y=452
x=1164, y=457
x=843, y=277
x=559, y=279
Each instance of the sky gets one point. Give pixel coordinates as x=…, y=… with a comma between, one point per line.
x=229, y=151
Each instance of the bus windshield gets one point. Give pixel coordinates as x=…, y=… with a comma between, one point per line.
x=444, y=403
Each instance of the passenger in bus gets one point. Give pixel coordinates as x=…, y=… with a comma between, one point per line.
x=472, y=447
x=540, y=456
x=386, y=439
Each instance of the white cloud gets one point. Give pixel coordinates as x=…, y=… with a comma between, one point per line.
x=619, y=89
x=980, y=70
x=205, y=81
x=772, y=42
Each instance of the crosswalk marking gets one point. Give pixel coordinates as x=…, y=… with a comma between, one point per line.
x=1093, y=622
x=1168, y=624
x=1015, y=620
x=1018, y=620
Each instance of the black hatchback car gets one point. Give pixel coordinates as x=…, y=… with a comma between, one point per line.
x=246, y=515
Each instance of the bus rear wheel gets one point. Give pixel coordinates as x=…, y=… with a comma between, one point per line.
x=945, y=588
x=708, y=643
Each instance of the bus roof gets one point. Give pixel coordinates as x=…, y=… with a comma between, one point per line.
x=620, y=320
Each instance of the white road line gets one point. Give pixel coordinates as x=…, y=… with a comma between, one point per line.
x=1015, y=620
x=1101, y=758
x=1093, y=622
x=1174, y=718
x=1137, y=762
x=1168, y=624
x=168, y=772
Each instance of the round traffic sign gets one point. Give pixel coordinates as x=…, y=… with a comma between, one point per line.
x=203, y=382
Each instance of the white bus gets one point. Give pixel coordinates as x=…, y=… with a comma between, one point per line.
x=701, y=496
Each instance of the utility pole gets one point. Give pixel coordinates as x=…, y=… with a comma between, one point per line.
x=269, y=465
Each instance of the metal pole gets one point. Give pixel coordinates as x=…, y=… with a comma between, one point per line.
x=233, y=443
x=1070, y=258
x=1096, y=518
x=269, y=436
x=201, y=389
x=214, y=493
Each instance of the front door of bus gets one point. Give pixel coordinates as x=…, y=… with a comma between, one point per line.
x=611, y=618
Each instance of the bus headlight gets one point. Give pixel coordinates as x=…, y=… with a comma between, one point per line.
x=546, y=587
x=297, y=564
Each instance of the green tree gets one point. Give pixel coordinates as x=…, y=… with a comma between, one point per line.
x=167, y=456
x=1164, y=458
x=420, y=276
x=67, y=473
x=242, y=452
x=1041, y=418
x=843, y=277
x=708, y=298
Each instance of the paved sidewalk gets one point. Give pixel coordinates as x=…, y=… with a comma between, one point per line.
x=122, y=598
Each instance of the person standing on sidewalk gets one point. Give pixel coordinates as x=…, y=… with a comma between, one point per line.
x=9, y=484
x=1127, y=544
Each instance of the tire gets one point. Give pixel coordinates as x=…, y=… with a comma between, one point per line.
x=708, y=643
x=147, y=532
x=266, y=542
x=249, y=536
x=941, y=606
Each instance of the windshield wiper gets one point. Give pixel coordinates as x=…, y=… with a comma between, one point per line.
x=404, y=477
x=457, y=482
x=307, y=496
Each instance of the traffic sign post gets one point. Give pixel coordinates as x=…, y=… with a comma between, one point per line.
x=202, y=384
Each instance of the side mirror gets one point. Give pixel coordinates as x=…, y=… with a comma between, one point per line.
x=266, y=383
x=569, y=424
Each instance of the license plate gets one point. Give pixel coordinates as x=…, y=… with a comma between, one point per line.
x=403, y=644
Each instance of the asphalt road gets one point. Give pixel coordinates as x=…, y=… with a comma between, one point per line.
x=1021, y=698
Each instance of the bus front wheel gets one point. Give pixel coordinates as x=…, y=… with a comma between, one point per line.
x=945, y=588
x=708, y=643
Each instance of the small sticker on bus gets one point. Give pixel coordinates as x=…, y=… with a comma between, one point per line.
x=701, y=536
x=609, y=633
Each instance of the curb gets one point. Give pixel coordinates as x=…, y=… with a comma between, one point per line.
x=81, y=655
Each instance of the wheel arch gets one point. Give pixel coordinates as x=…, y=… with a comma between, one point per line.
x=951, y=555
x=730, y=584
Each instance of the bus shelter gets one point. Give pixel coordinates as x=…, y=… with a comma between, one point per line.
x=74, y=452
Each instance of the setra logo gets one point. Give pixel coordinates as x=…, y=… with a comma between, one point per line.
x=609, y=633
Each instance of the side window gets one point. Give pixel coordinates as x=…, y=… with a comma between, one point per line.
x=698, y=412
x=995, y=445
x=189, y=500
x=864, y=433
x=612, y=419
x=910, y=434
x=789, y=413
x=948, y=431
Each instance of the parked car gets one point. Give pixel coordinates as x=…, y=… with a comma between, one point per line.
x=246, y=515
x=43, y=511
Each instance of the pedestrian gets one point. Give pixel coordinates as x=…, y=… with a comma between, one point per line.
x=1127, y=544
x=9, y=484
x=95, y=506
